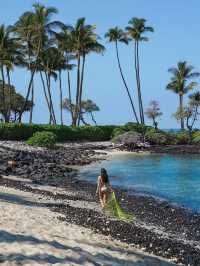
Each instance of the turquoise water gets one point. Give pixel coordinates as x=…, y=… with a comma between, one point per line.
x=175, y=178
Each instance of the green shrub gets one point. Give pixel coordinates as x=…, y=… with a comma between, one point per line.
x=42, y=139
x=140, y=128
x=196, y=137
x=108, y=131
x=118, y=131
x=12, y=131
x=159, y=137
x=182, y=138
x=91, y=133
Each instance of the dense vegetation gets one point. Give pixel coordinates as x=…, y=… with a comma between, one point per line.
x=158, y=137
x=49, y=49
x=16, y=131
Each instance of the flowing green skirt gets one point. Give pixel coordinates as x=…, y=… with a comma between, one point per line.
x=113, y=209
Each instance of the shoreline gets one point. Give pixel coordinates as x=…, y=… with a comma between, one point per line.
x=159, y=228
x=48, y=240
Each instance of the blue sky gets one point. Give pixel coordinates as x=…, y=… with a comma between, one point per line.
x=176, y=37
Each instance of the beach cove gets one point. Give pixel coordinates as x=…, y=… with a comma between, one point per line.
x=159, y=228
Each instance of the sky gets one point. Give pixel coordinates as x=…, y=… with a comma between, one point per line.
x=176, y=38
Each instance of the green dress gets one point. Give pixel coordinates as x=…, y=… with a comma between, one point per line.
x=113, y=209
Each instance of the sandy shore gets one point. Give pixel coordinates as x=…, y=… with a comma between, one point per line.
x=159, y=228
x=31, y=234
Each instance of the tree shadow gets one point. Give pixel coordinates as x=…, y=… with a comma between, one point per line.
x=76, y=255
x=140, y=257
x=6, y=237
x=14, y=199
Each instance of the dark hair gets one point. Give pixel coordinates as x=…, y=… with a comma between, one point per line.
x=104, y=175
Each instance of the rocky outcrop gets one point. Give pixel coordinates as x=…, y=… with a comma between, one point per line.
x=131, y=140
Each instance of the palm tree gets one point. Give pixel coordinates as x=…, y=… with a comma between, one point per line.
x=40, y=26
x=180, y=82
x=135, y=30
x=24, y=28
x=9, y=56
x=48, y=64
x=117, y=35
x=82, y=41
x=89, y=45
x=64, y=44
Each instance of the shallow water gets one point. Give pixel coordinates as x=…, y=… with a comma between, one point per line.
x=175, y=178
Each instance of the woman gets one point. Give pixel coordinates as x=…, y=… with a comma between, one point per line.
x=103, y=187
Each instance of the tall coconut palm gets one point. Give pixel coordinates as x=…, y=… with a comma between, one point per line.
x=41, y=27
x=63, y=41
x=90, y=45
x=24, y=28
x=48, y=64
x=9, y=56
x=117, y=35
x=180, y=84
x=136, y=31
x=83, y=40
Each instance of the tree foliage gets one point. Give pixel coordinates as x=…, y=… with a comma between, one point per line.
x=153, y=112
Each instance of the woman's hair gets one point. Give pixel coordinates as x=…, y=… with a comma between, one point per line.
x=104, y=175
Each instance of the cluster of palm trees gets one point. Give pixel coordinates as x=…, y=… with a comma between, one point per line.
x=182, y=82
x=133, y=32
x=46, y=48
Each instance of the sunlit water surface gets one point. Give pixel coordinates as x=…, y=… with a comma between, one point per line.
x=175, y=178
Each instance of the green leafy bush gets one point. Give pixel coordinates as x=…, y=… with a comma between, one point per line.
x=42, y=139
x=182, y=138
x=12, y=131
x=140, y=128
x=196, y=137
x=118, y=131
x=91, y=133
x=159, y=137
x=108, y=131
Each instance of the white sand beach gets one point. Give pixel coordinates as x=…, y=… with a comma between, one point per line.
x=31, y=234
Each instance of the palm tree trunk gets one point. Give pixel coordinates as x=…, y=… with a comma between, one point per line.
x=50, y=98
x=75, y=116
x=32, y=101
x=69, y=93
x=3, y=94
x=61, y=97
x=181, y=110
x=81, y=90
x=46, y=97
x=125, y=84
x=138, y=72
x=50, y=108
x=9, y=85
x=136, y=76
x=27, y=95
x=30, y=82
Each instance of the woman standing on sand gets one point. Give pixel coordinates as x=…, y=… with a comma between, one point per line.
x=103, y=187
